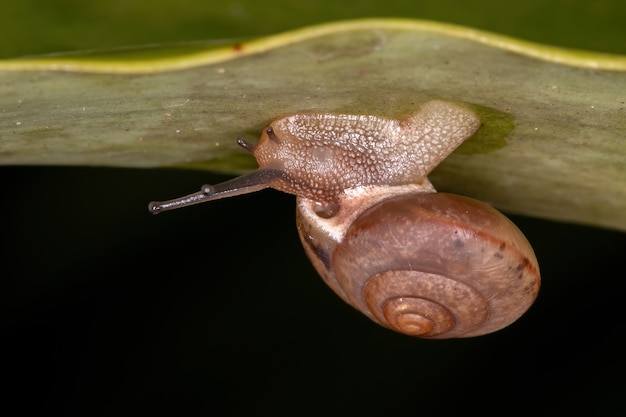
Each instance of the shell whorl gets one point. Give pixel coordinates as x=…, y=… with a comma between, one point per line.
x=433, y=265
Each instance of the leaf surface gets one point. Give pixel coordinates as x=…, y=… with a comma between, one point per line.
x=552, y=142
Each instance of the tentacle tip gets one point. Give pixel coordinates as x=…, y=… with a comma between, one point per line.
x=154, y=207
x=250, y=147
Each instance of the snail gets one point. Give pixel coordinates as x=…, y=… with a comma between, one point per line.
x=419, y=262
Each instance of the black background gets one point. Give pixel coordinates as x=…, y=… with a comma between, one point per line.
x=214, y=310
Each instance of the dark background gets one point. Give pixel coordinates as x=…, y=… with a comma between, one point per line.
x=108, y=310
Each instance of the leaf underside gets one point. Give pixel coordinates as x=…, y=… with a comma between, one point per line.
x=552, y=143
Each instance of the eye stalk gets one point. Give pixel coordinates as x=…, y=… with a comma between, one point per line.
x=245, y=184
x=272, y=135
x=248, y=183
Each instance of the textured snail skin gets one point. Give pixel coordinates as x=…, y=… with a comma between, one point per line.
x=323, y=154
x=426, y=264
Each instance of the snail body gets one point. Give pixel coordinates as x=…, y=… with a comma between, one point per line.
x=325, y=154
x=416, y=261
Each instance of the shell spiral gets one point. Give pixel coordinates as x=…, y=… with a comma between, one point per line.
x=434, y=265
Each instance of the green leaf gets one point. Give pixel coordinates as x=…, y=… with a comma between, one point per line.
x=551, y=145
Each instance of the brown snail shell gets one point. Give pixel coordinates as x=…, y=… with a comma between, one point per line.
x=427, y=264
